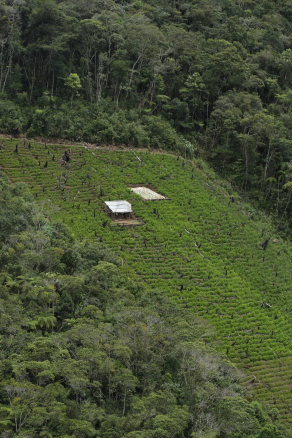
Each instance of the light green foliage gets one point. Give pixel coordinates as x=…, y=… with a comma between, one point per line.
x=73, y=82
x=199, y=248
x=88, y=350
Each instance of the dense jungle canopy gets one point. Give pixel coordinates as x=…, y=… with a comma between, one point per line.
x=209, y=77
x=86, y=350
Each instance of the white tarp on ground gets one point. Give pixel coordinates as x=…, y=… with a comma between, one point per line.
x=147, y=193
x=119, y=206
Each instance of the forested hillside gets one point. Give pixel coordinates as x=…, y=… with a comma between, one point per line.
x=130, y=332
x=87, y=352
x=210, y=77
x=202, y=248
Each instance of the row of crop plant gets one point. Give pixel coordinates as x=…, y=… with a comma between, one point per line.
x=200, y=248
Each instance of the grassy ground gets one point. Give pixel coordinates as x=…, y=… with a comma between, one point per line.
x=199, y=247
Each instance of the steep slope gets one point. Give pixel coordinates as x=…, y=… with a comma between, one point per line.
x=220, y=257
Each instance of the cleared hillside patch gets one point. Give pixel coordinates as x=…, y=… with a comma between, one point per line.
x=199, y=248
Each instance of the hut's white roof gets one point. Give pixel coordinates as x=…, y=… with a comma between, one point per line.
x=119, y=206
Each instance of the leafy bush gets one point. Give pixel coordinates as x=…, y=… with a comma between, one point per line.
x=13, y=119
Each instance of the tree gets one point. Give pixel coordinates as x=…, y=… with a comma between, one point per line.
x=73, y=84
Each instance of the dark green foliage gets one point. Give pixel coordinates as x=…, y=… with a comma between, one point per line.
x=160, y=74
x=15, y=212
x=13, y=118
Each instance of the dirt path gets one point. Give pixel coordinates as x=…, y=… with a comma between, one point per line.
x=122, y=148
x=91, y=146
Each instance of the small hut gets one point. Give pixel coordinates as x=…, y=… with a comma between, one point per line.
x=119, y=209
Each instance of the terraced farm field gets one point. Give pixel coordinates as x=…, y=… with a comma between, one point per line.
x=221, y=258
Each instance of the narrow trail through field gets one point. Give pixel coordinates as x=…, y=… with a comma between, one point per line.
x=89, y=146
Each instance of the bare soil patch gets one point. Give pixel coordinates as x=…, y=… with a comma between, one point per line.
x=130, y=222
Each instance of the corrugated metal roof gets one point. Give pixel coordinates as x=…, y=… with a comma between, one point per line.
x=119, y=206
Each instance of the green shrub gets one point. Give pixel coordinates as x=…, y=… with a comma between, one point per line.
x=13, y=119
